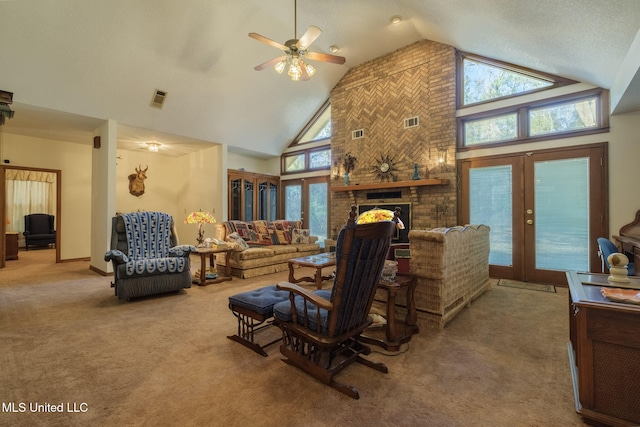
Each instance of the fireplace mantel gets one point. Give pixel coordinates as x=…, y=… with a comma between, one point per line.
x=412, y=185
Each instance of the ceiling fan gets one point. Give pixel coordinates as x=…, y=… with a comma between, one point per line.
x=294, y=52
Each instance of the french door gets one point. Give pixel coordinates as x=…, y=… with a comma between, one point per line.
x=545, y=209
x=308, y=200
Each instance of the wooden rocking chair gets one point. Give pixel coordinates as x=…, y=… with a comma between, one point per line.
x=321, y=329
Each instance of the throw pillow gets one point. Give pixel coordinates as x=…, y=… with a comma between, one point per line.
x=299, y=235
x=238, y=241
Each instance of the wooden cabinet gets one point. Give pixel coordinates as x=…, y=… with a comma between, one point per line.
x=12, y=245
x=253, y=196
x=604, y=351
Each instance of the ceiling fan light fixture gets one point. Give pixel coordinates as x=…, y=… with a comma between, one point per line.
x=295, y=70
x=295, y=50
x=311, y=70
x=395, y=19
x=333, y=48
x=280, y=66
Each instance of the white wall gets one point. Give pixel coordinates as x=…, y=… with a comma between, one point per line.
x=254, y=164
x=624, y=169
x=74, y=160
x=177, y=186
x=161, y=186
x=203, y=186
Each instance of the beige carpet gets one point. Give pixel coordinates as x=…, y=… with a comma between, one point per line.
x=166, y=361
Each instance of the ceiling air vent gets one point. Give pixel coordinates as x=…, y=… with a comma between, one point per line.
x=158, y=98
x=357, y=134
x=411, y=122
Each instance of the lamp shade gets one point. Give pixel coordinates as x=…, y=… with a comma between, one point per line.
x=199, y=217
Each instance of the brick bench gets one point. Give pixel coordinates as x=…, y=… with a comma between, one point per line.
x=253, y=309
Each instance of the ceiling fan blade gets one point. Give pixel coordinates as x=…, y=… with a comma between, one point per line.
x=308, y=37
x=269, y=63
x=325, y=57
x=270, y=42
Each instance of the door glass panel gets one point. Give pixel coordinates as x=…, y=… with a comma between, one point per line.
x=248, y=201
x=562, y=209
x=318, y=210
x=236, y=199
x=490, y=204
x=293, y=202
x=273, y=201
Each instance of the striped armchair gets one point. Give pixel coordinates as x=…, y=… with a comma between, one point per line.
x=146, y=256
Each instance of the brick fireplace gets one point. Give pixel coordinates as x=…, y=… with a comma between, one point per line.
x=417, y=81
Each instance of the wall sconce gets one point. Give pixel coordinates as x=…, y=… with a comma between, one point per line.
x=335, y=170
x=154, y=147
x=442, y=156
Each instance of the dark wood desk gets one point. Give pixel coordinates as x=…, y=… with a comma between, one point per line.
x=604, y=351
x=396, y=332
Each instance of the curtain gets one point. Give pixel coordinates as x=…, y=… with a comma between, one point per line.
x=28, y=192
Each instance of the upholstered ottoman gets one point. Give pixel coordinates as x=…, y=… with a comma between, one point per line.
x=253, y=309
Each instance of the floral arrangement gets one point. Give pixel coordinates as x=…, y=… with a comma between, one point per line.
x=349, y=162
x=200, y=218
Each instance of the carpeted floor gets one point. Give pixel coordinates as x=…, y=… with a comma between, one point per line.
x=166, y=361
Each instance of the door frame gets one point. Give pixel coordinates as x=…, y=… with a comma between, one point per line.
x=304, y=182
x=3, y=207
x=522, y=259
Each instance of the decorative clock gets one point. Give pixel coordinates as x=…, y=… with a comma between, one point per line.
x=385, y=168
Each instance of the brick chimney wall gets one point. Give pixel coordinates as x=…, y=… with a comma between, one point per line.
x=417, y=80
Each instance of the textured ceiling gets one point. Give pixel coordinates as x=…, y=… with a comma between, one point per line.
x=73, y=63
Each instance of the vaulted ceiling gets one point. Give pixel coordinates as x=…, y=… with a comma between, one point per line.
x=72, y=64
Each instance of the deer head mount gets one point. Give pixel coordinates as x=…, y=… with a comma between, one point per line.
x=136, y=181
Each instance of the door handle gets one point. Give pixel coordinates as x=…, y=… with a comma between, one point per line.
x=529, y=221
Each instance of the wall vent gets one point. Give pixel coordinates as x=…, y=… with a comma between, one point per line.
x=357, y=134
x=411, y=122
x=158, y=98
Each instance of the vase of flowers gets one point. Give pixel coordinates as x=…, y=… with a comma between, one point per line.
x=348, y=164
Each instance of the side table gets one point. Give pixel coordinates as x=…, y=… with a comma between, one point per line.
x=396, y=332
x=210, y=252
x=11, y=239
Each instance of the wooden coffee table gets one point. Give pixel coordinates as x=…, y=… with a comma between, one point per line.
x=318, y=262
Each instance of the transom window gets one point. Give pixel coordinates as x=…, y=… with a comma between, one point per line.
x=579, y=113
x=484, y=80
x=318, y=155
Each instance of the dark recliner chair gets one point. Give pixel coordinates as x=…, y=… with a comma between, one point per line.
x=39, y=230
x=146, y=256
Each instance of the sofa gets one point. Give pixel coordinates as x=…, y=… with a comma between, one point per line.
x=451, y=266
x=263, y=247
x=146, y=256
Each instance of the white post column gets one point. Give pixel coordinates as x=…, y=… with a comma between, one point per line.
x=103, y=193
